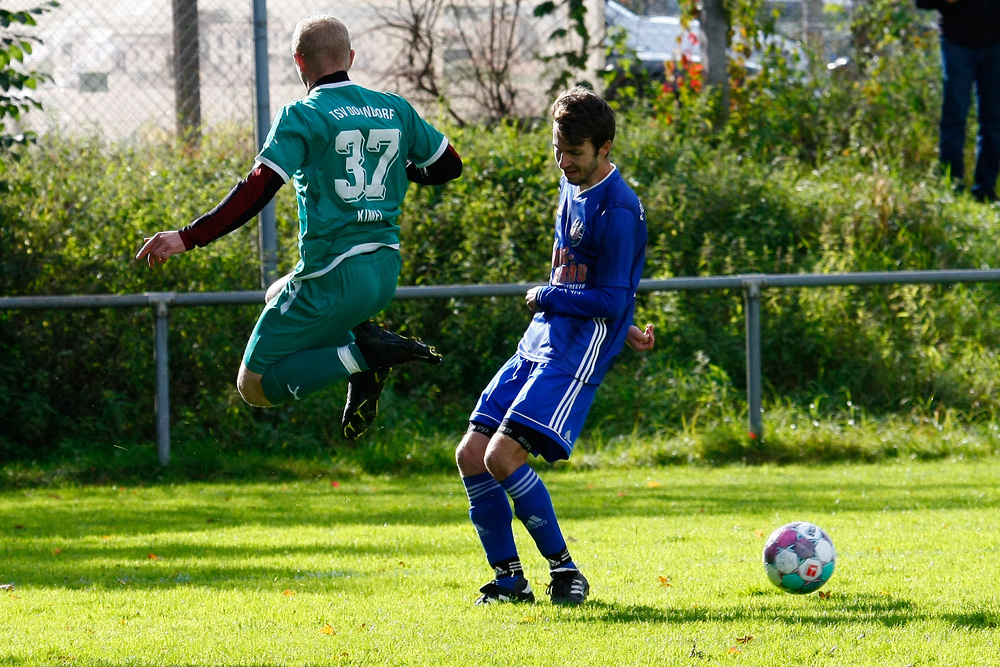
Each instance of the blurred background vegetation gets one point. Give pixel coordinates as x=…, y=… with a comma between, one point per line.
x=815, y=170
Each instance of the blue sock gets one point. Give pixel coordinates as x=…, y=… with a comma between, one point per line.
x=533, y=506
x=490, y=512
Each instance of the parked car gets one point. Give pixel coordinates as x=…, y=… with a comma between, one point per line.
x=657, y=40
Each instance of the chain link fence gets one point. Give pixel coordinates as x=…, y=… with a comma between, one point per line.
x=138, y=70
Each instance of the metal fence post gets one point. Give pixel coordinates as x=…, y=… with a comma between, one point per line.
x=162, y=407
x=751, y=292
x=267, y=219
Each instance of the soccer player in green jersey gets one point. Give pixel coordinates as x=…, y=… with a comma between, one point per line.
x=350, y=153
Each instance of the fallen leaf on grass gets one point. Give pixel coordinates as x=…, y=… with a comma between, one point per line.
x=328, y=630
x=664, y=581
x=152, y=556
x=733, y=650
x=288, y=592
x=825, y=595
x=56, y=552
x=745, y=639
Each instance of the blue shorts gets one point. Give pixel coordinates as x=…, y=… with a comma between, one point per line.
x=548, y=401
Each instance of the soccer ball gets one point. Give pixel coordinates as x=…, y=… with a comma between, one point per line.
x=799, y=557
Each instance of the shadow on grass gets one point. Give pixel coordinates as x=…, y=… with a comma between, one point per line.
x=975, y=619
x=862, y=609
x=440, y=500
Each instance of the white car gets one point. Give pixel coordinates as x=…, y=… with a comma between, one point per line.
x=660, y=39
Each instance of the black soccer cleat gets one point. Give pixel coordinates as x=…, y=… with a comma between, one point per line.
x=494, y=593
x=382, y=347
x=568, y=587
x=363, y=391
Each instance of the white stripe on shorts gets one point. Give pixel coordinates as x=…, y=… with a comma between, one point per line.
x=565, y=407
x=586, y=368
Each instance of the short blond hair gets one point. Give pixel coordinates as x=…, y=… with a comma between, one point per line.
x=323, y=41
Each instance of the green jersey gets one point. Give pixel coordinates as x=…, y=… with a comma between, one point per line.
x=346, y=148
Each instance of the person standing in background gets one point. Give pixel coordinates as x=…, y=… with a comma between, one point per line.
x=970, y=56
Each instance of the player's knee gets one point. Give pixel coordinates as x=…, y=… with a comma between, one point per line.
x=249, y=385
x=276, y=287
x=471, y=453
x=501, y=459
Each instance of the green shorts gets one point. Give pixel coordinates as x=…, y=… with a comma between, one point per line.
x=320, y=312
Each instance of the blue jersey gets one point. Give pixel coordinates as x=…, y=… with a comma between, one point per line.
x=600, y=244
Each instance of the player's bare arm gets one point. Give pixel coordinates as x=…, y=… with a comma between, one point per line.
x=160, y=247
x=243, y=202
x=640, y=340
x=531, y=299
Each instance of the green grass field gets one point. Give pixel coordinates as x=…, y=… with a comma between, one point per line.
x=384, y=571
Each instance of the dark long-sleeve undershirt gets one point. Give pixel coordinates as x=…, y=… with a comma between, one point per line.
x=244, y=201
x=446, y=168
x=251, y=195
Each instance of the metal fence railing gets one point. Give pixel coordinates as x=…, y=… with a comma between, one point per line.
x=751, y=285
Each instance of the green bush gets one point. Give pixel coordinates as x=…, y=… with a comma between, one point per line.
x=853, y=191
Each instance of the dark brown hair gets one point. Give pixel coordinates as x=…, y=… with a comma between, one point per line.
x=581, y=114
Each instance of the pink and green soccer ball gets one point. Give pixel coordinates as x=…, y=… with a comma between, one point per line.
x=799, y=557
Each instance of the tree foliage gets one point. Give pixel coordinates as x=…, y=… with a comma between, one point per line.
x=817, y=173
x=15, y=82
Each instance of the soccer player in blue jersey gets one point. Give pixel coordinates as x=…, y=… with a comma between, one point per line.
x=350, y=153
x=537, y=402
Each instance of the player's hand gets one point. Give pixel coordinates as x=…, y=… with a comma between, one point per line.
x=531, y=299
x=640, y=340
x=160, y=247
